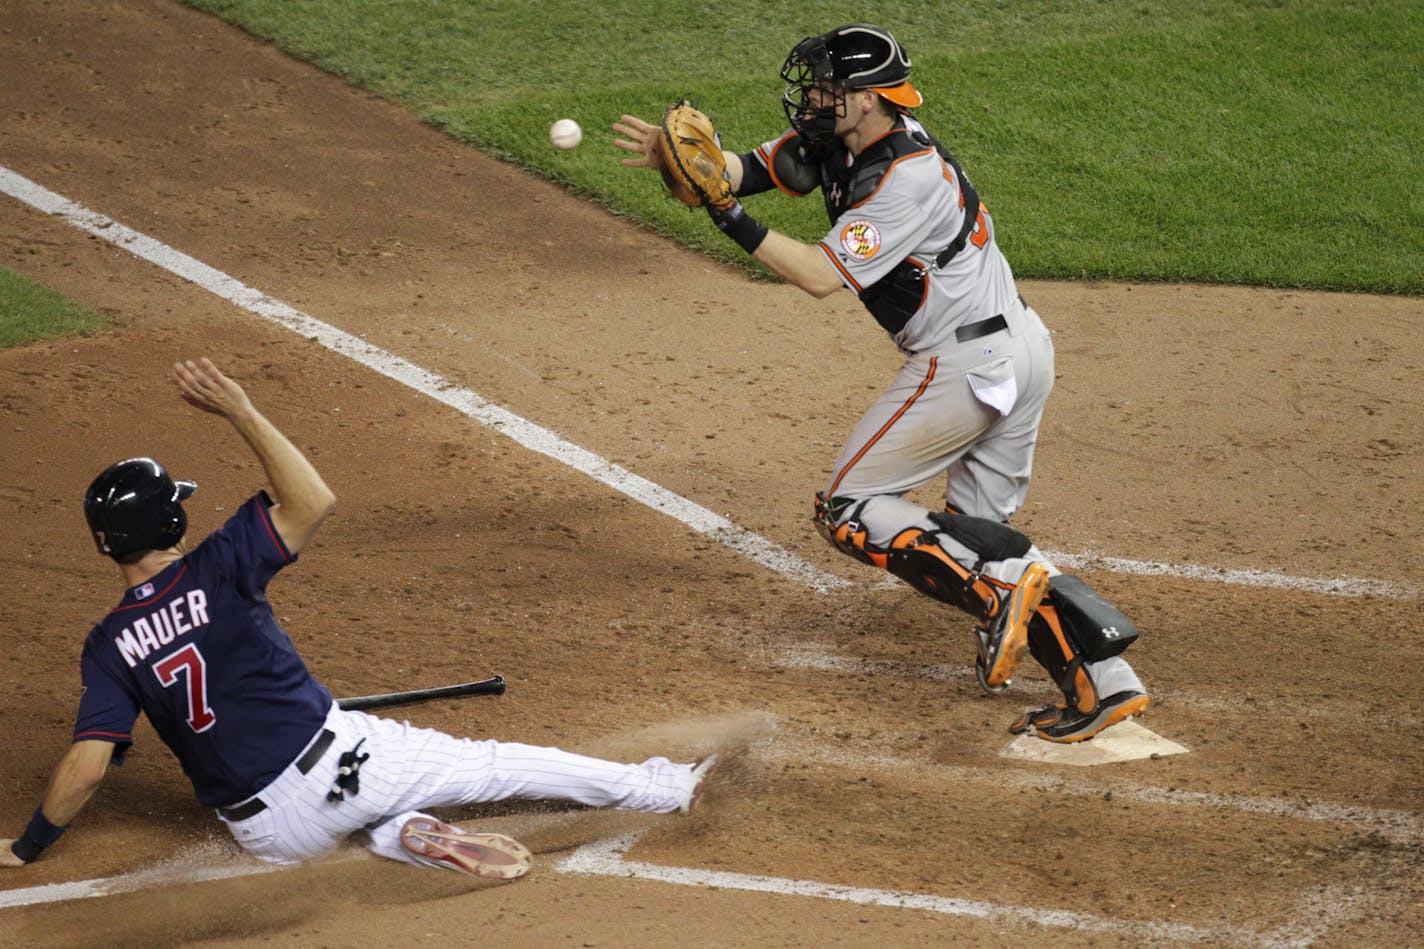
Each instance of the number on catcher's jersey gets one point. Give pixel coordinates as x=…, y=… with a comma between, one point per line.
x=190, y=661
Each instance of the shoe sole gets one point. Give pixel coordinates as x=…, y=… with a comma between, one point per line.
x=1031, y=722
x=1130, y=709
x=711, y=762
x=1029, y=593
x=490, y=856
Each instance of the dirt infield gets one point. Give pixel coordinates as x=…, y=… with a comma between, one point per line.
x=1271, y=438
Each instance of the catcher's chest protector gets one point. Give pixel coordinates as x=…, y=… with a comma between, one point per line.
x=846, y=183
x=895, y=298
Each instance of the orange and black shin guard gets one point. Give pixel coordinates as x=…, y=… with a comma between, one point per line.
x=1054, y=648
x=849, y=537
x=915, y=557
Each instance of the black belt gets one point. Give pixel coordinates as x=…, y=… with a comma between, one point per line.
x=972, y=331
x=305, y=763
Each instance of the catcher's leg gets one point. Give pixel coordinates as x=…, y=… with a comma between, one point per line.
x=945, y=561
x=1079, y=637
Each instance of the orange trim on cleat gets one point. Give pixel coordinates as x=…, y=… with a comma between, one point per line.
x=1003, y=645
x=1070, y=725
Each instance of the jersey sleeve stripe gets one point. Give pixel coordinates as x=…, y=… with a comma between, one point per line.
x=262, y=509
x=845, y=274
x=116, y=737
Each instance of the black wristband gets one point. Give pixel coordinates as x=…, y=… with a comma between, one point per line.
x=37, y=836
x=740, y=226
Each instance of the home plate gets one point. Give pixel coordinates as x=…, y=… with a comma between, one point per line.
x=1125, y=741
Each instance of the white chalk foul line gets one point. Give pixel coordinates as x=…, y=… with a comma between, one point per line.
x=526, y=433
x=531, y=436
x=1337, y=586
x=607, y=858
x=1398, y=827
x=125, y=883
x=821, y=658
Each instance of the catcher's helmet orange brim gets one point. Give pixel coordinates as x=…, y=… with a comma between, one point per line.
x=904, y=95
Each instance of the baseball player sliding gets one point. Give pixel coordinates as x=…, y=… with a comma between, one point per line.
x=910, y=237
x=194, y=645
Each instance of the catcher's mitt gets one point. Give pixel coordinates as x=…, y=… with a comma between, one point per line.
x=689, y=155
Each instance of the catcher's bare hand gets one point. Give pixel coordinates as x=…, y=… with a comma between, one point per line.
x=641, y=139
x=691, y=159
x=203, y=386
x=7, y=857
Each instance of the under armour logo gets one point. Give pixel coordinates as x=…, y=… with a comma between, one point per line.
x=1110, y=632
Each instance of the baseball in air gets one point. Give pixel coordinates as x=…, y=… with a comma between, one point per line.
x=565, y=134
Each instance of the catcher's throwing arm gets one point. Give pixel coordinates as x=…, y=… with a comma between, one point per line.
x=494, y=685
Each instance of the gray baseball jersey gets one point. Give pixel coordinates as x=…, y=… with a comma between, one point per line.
x=909, y=236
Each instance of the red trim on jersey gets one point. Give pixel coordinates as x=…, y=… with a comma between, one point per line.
x=263, y=510
x=924, y=384
x=148, y=600
x=115, y=737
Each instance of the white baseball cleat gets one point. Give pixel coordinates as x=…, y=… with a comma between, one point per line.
x=700, y=771
x=493, y=856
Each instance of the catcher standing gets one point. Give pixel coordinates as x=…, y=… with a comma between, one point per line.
x=911, y=238
x=193, y=644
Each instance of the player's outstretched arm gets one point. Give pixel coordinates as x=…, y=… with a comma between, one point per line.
x=803, y=265
x=640, y=137
x=75, y=779
x=303, y=499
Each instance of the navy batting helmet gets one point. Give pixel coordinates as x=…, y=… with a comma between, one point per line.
x=854, y=56
x=134, y=506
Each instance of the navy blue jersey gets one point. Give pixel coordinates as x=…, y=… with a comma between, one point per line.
x=197, y=649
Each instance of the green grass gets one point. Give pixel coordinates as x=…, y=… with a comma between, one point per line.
x=30, y=312
x=1269, y=143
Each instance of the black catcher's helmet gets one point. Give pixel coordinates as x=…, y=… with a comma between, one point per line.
x=855, y=56
x=134, y=505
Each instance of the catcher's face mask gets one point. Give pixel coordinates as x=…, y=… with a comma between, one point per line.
x=809, y=69
x=821, y=68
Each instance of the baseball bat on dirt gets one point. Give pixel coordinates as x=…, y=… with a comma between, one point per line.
x=494, y=685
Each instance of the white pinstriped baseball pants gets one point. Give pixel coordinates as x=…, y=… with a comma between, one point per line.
x=413, y=768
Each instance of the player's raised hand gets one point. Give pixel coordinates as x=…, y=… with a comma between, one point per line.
x=203, y=386
x=7, y=857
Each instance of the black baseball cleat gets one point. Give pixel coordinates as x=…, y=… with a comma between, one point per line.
x=1065, y=725
x=1004, y=641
